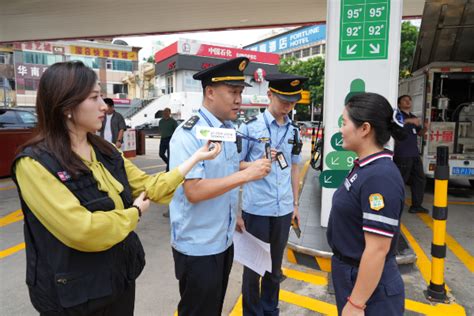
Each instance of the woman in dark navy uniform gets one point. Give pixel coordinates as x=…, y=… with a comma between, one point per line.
x=365, y=218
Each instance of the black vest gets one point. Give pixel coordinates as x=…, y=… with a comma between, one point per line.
x=60, y=277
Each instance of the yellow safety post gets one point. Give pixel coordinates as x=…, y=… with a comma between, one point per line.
x=313, y=141
x=437, y=289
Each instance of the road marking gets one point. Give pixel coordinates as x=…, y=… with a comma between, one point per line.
x=422, y=261
x=237, y=310
x=463, y=255
x=308, y=303
x=331, y=309
x=435, y=310
x=153, y=167
x=9, y=251
x=11, y=218
x=303, y=172
x=8, y=188
x=408, y=202
x=316, y=278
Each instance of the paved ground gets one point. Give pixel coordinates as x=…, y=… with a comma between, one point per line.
x=304, y=292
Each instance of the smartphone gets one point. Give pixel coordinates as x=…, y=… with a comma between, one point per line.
x=296, y=227
x=268, y=151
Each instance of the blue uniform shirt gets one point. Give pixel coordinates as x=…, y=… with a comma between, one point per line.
x=207, y=227
x=370, y=200
x=409, y=146
x=272, y=195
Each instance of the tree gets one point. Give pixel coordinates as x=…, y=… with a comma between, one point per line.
x=150, y=59
x=313, y=68
x=407, y=48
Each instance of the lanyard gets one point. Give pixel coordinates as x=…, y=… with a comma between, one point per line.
x=270, y=132
x=249, y=138
x=205, y=118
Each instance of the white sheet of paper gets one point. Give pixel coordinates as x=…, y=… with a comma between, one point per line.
x=252, y=252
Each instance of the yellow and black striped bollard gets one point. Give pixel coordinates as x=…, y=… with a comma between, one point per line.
x=437, y=289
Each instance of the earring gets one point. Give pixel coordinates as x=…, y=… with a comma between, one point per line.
x=69, y=116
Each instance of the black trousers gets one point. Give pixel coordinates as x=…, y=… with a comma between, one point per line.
x=261, y=298
x=165, y=151
x=202, y=282
x=411, y=169
x=122, y=304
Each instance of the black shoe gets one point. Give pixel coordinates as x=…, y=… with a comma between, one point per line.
x=418, y=209
x=166, y=214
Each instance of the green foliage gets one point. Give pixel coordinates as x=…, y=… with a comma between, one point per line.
x=313, y=68
x=407, y=48
x=151, y=59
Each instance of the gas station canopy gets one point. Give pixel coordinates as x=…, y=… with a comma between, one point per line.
x=446, y=33
x=23, y=20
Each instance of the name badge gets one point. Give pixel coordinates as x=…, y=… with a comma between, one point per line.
x=216, y=134
x=281, y=160
x=414, y=131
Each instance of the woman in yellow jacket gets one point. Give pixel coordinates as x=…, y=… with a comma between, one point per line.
x=82, y=200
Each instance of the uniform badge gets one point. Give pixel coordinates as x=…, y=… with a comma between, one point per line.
x=64, y=176
x=264, y=139
x=242, y=65
x=294, y=83
x=376, y=201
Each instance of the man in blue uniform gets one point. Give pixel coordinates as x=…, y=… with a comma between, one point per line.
x=375, y=188
x=270, y=204
x=407, y=156
x=203, y=210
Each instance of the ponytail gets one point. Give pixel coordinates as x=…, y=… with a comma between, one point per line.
x=377, y=111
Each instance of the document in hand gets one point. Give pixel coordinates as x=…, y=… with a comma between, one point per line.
x=252, y=252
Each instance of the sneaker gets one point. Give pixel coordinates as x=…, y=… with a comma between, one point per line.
x=166, y=214
x=418, y=209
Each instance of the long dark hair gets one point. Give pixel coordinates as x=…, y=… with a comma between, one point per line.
x=377, y=111
x=62, y=87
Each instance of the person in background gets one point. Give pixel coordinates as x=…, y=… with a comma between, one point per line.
x=113, y=125
x=271, y=203
x=364, y=223
x=167, y=125
x=407, y=155
x=204, y=209
x=82, y=201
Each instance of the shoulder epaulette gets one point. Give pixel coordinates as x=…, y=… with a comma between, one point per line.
x=191, y=122
x=250, y=119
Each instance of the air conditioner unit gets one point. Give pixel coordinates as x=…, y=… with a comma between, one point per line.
x=121, y=95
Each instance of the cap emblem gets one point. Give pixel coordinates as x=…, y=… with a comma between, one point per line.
x=294, y=83
x=242, y=65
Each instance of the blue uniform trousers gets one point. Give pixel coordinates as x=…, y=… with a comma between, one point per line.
x=388, y=298
x=262, y=299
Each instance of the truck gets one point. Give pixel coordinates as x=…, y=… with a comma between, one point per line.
x=443, y=97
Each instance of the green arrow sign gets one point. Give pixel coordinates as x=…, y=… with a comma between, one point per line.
x=340, y=160
x=339, y=121
x=364, y=29
x=336, y=142
x=332, y=178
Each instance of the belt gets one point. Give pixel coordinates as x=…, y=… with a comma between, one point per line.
x=348, y=260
